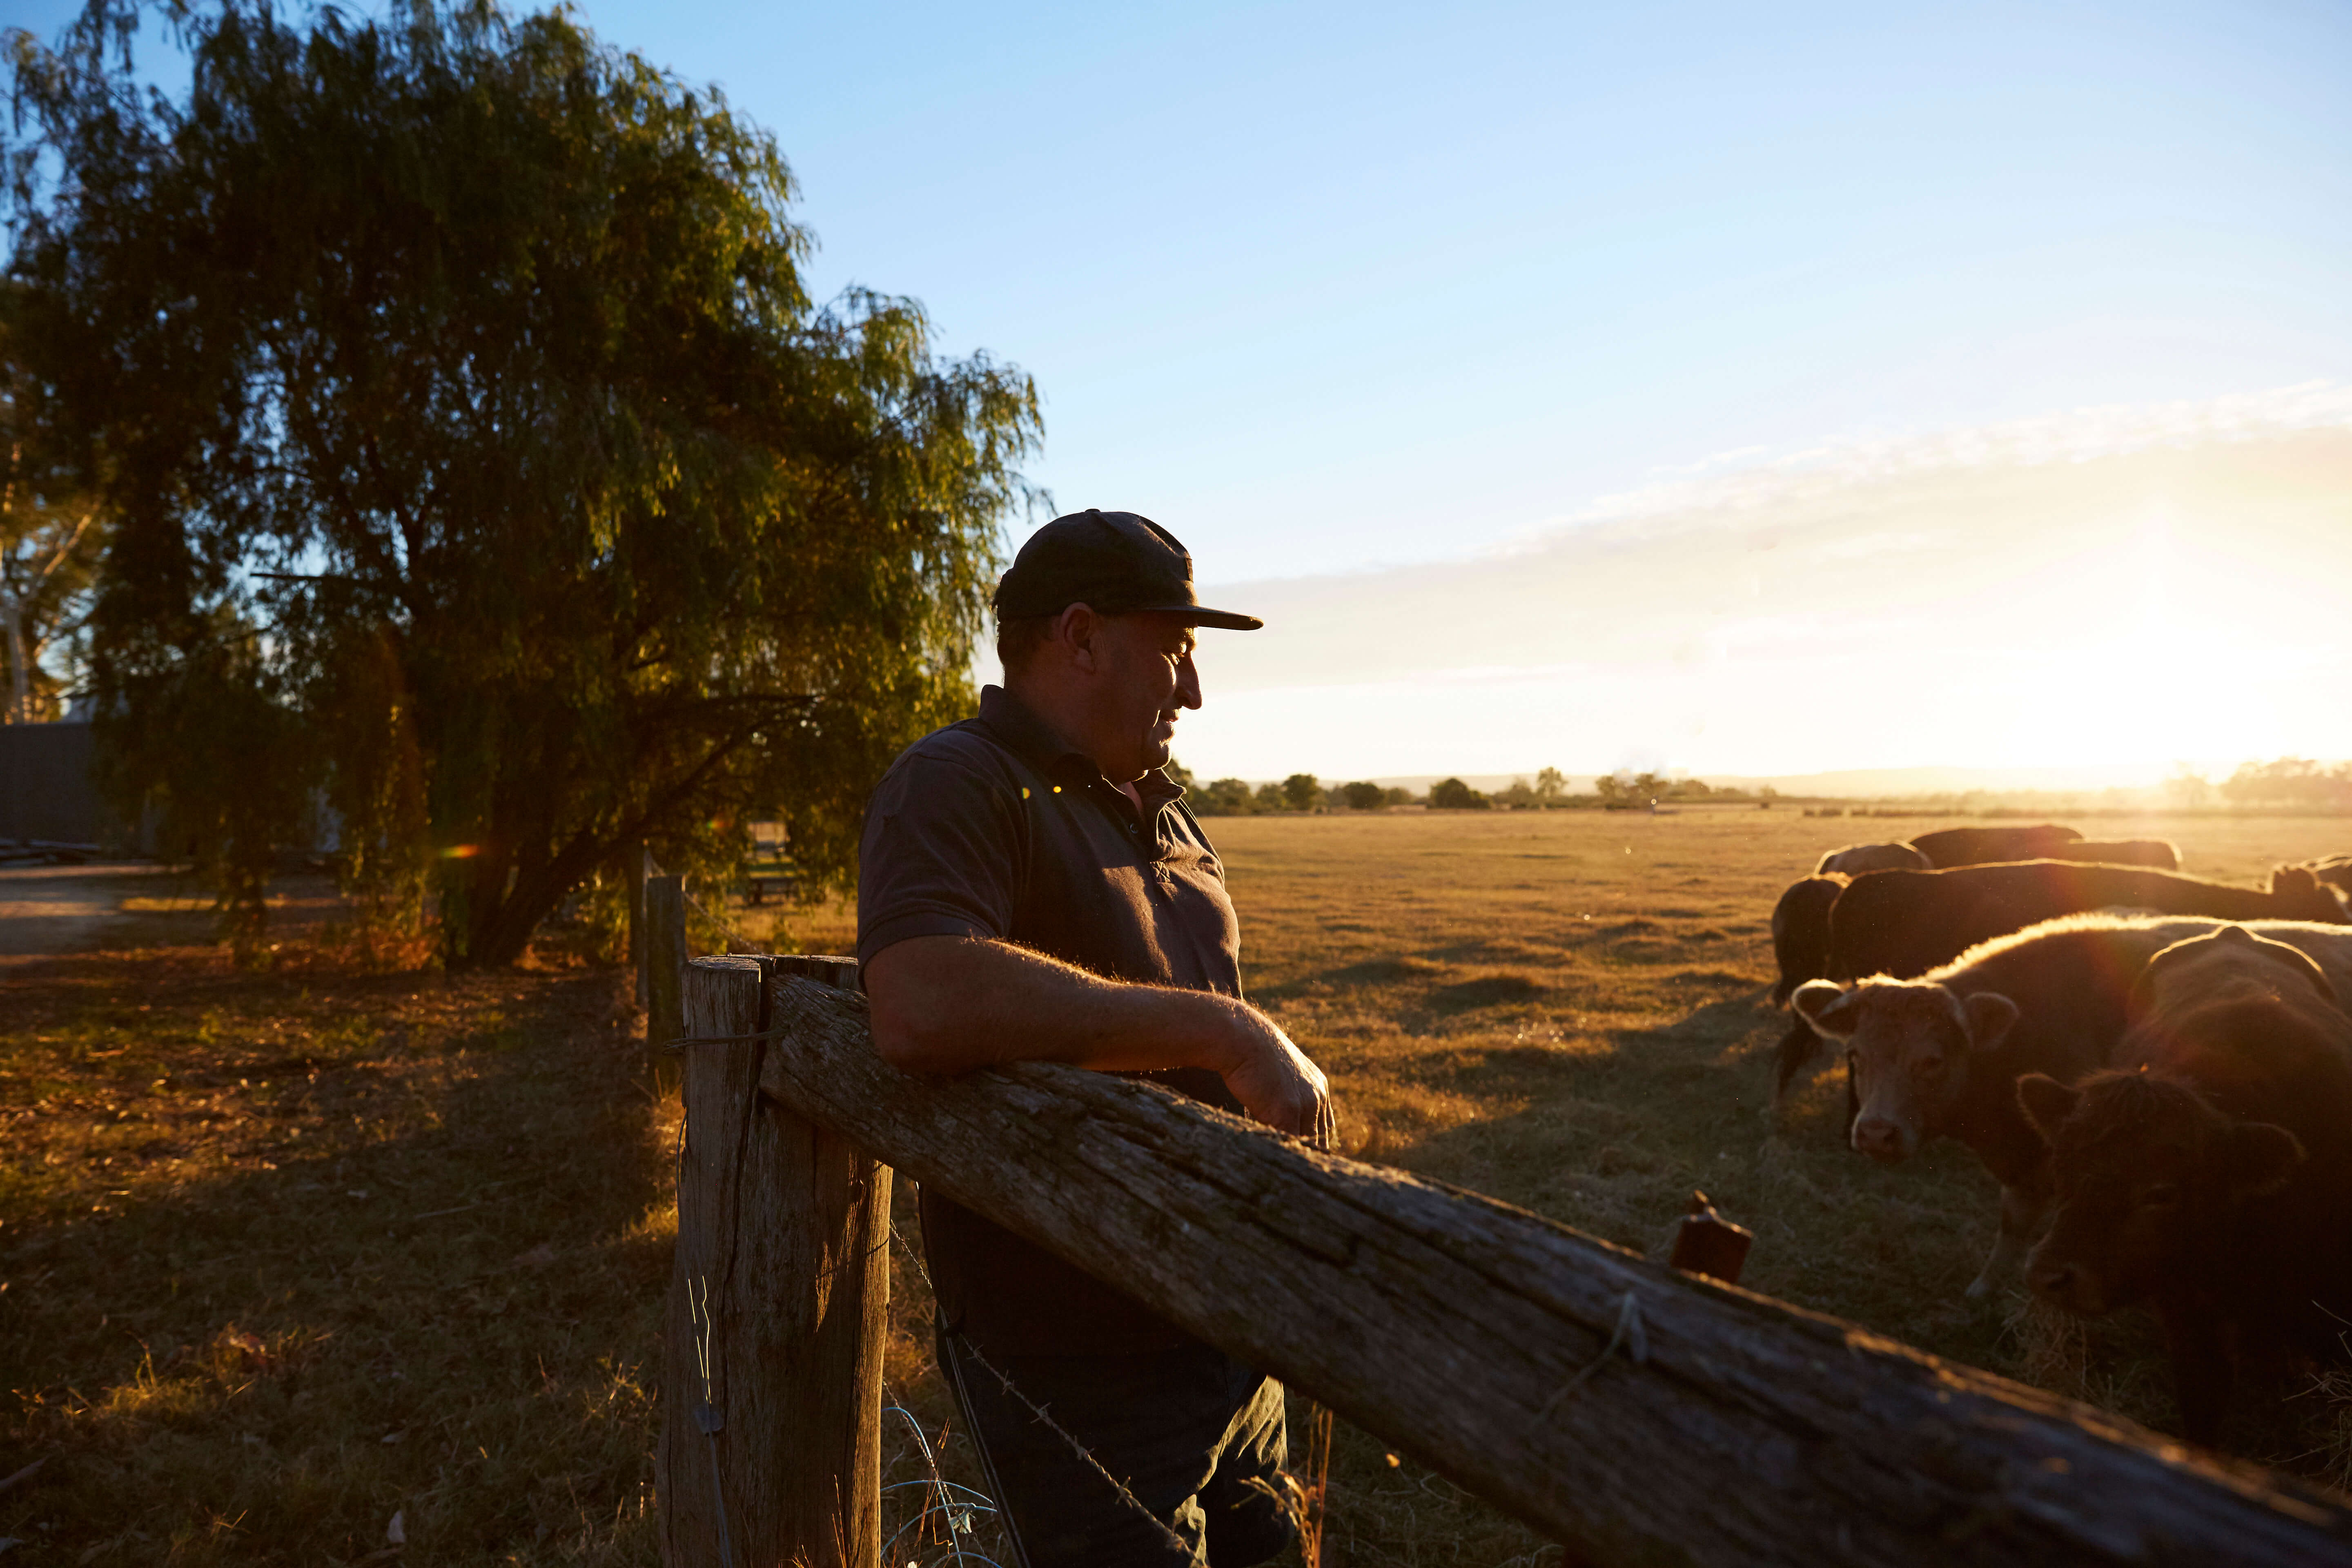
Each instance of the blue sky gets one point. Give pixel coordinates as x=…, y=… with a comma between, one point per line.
x=1356, y=296
x=1321, y=286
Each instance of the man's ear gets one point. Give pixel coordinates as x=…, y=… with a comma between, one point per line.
x=2046, y=1103
x=1079, y=629
x=2257, y=1157
x=1988, y=1016
x=1825, y=1005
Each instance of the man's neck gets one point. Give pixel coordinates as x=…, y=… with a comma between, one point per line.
x=1056, y=717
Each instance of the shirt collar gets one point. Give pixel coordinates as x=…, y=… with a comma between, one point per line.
x=1012, y=722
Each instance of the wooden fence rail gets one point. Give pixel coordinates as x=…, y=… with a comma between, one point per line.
x=1635, y=1413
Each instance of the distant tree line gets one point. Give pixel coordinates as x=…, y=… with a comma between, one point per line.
x=2289, y=781
x=1305, y=793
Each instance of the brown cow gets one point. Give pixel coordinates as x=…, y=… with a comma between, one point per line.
x=1931, y=1057
x=1940, y=1056
x=1855, y=858
x=2211, y=1173
x=1904, y=923
x=1984, y=846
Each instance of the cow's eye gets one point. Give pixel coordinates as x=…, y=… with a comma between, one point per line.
x=1929, y=1067
x=2163, y=1195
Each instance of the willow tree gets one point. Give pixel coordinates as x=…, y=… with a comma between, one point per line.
x=52, y=537
x=474, y=447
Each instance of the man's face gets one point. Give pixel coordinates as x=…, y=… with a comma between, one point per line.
x=1146, y=679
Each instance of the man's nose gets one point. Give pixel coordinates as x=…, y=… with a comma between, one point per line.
x=1188, y=685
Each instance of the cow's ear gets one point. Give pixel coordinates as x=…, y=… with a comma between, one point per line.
x=2046, y=1103
x=1990, y=1016
x=2257, y=1157
x=1824, y=1003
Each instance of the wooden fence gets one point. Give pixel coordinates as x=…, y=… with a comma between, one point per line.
x=1635, y=1413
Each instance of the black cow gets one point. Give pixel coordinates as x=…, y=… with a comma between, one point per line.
x=1951, y=847
x=1800, y=932
x=2157, y=853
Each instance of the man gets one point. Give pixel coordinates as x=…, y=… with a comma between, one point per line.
x=1032, y=888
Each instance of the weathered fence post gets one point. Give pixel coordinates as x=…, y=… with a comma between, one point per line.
x=639, y=869
x=772, y=1372
x=665, y=934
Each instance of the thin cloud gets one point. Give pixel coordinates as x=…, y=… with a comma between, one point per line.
x=1991, y=597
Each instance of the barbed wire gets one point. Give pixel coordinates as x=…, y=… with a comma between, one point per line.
x=729, y=933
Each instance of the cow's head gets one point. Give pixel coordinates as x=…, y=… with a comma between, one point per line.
x=1911, y=1044
x=2146, y=1171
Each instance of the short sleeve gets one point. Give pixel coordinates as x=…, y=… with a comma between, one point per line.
x=942, y=854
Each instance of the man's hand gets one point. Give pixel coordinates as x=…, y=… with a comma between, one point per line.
x=1275, y=1083
x=949, y=1004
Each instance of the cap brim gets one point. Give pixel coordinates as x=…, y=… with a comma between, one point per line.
x=1200, y=616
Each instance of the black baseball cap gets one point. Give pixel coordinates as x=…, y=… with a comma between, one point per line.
x=1117, y=561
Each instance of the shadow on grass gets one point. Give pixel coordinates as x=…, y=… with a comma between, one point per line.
x=1487, y=991
x=290, y=1255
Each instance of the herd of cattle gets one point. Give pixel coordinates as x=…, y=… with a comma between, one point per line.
x=2157, y=1070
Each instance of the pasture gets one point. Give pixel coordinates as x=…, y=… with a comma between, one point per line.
x=290, y=1253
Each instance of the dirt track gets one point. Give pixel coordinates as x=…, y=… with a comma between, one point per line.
x=49, y=911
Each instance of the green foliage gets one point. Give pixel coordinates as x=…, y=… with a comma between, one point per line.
x=52, y=538
x=1550, y=784
x=1225, y=797
x=1302, y=792
x=1364, y=795
x=460, y=403
x=1453, y=794
x=1269, y=797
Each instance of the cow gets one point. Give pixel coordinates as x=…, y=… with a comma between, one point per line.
x=1904, y=923
x=1800, y=932
x=1939, y=1056
x=2209, y=1170
x=2159, y=853
x=1951, y=847
x=1855, y=858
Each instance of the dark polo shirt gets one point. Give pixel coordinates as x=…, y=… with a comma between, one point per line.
x=993, y=829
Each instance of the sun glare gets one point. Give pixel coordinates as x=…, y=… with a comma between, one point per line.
x=2144, y=650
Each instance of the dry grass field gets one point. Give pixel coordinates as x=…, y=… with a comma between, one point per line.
x=289, y=1254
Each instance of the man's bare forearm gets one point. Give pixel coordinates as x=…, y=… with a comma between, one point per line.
x=949, y=1004
x=946, y=1005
